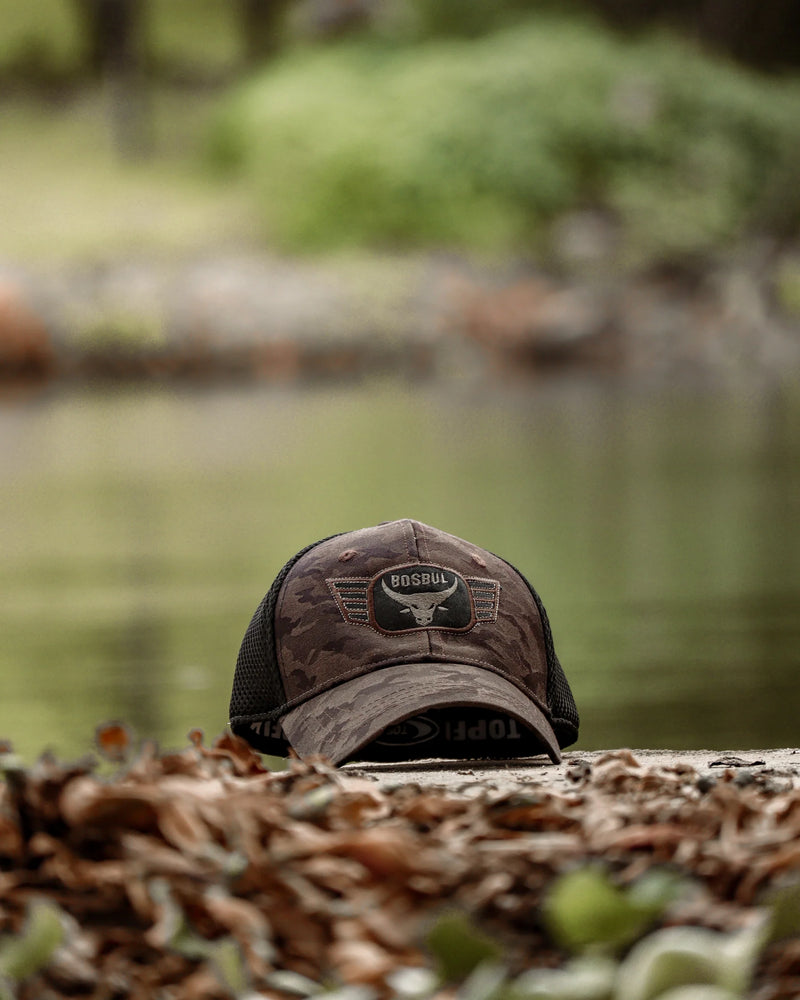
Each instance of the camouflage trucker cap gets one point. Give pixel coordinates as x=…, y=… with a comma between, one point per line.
x=401, y=642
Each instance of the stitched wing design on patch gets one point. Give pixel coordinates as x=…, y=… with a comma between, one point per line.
x=485, y=596
x=350, y=594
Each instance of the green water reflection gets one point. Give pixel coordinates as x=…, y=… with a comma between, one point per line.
x=141, y=528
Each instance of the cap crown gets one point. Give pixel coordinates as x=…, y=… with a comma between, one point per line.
x=401, y=592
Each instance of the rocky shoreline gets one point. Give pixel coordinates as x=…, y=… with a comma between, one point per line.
x=256, y=316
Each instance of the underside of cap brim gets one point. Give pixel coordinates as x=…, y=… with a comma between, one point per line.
x=342, y=720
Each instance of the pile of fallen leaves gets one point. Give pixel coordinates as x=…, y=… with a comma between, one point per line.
x=201, y=874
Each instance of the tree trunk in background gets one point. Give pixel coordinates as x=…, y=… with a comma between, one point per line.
x=116, y=53
x=766, y=34
x=763, y=33
x=261, y=22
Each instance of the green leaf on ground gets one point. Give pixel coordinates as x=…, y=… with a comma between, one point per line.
x=459, y=947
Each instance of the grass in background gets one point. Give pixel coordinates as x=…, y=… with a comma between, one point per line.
x=65, y=194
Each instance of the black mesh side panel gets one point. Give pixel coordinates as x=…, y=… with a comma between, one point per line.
x=560, y=700
x=258, y=694
x=562, y=704
x=257, y=686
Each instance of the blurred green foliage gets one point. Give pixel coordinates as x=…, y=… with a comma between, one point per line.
x=458, y=947
x=465, y=124
x=585, y=909
x=31, y=950
x=589, y=914
x=481, y=143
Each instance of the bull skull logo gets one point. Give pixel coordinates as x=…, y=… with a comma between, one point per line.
x=404, y=598
x=422, y=606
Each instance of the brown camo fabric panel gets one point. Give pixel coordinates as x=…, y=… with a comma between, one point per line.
x=317, y=648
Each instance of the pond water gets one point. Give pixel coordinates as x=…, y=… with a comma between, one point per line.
x=141, y=527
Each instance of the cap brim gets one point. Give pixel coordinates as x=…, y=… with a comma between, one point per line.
x=341, y=721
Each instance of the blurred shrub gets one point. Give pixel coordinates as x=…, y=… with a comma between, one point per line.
x=481, y=143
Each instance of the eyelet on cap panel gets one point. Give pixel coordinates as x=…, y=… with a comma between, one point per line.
x=347, y=554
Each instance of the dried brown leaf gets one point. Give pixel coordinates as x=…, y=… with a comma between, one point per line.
x=181, y=826
x=241, y=755
x=11, y=840
x=236, y=916
x=657, y=837
x=203, y=984
x=358, y=807
x=114, y=740
x=86, y=802
x=356, y=958
x=151, y=856
x=427, y=810
x=386, y=852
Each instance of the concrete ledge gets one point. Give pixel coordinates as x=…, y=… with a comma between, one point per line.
x=777, y=768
